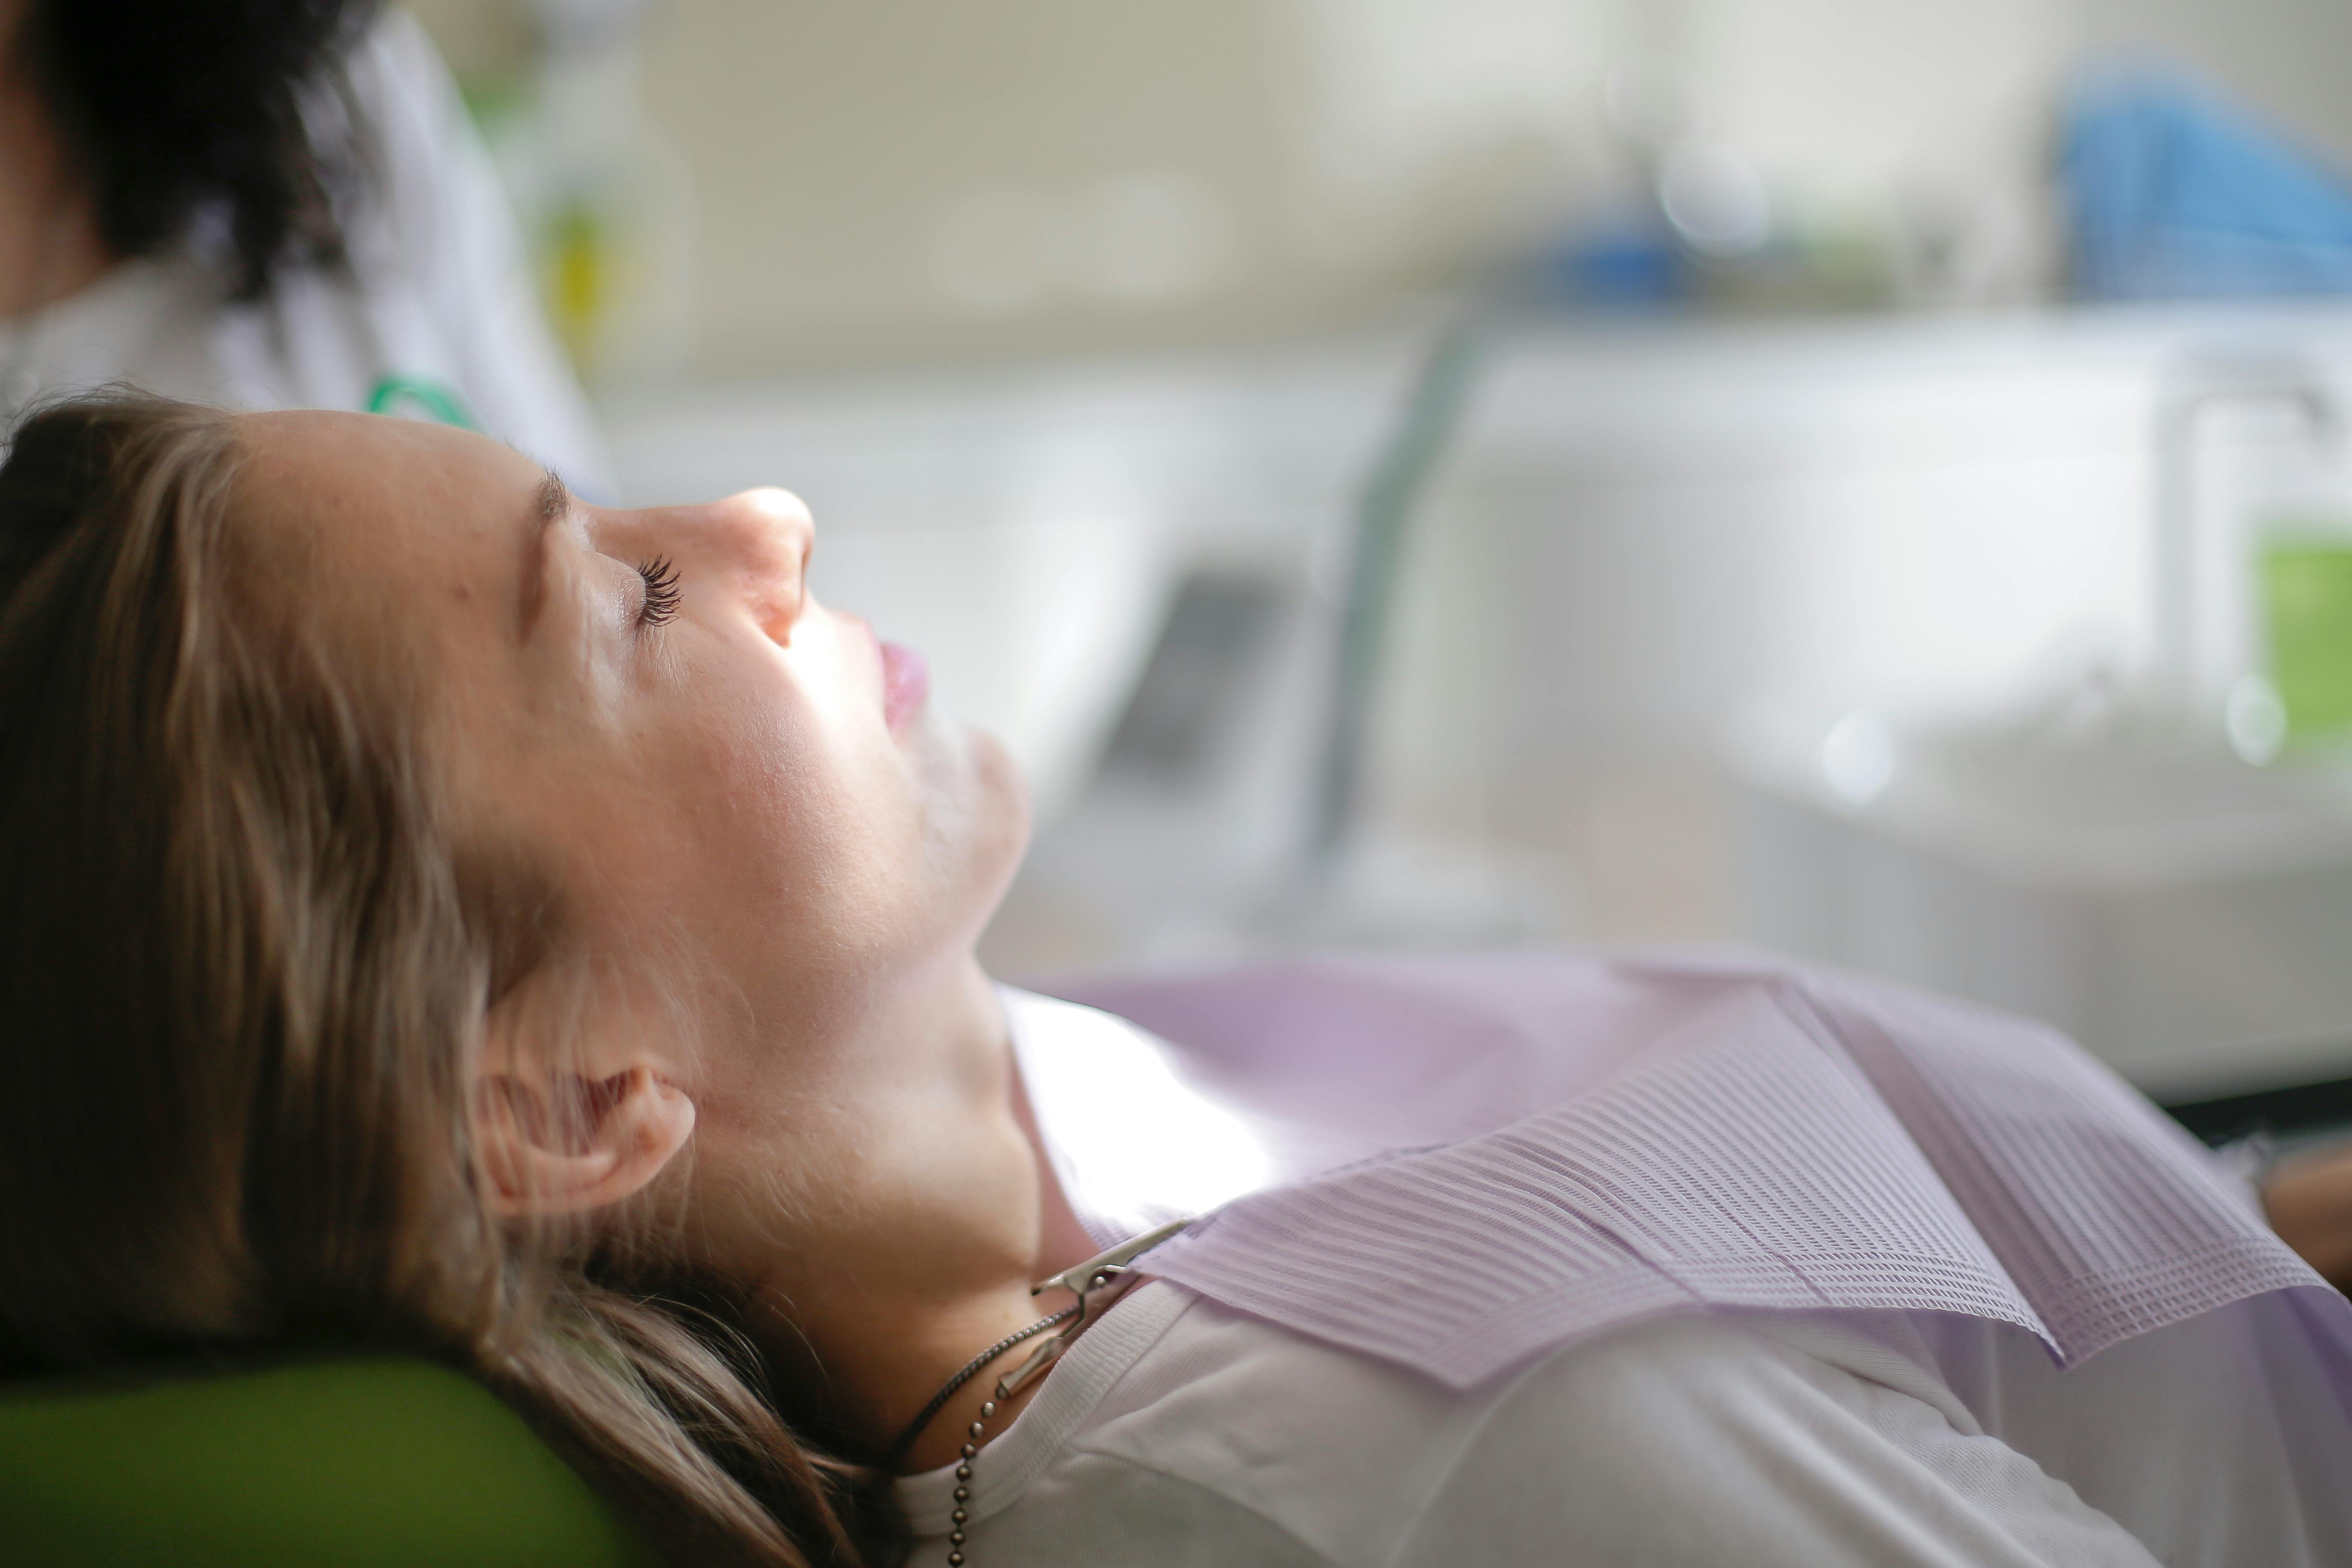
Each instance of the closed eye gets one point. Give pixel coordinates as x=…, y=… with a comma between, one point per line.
x=662, y=592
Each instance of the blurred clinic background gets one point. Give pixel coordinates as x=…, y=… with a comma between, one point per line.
x=1869, y=478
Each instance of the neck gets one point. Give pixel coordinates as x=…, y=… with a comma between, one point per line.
x=49, y=243
x=885, y=1328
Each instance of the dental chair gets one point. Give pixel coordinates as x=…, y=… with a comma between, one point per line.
x=362, y=1462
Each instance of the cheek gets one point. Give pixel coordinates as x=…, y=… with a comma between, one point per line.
x=801, y=855
x=798, y=832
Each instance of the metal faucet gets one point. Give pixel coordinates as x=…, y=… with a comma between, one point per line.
x=2180, y=408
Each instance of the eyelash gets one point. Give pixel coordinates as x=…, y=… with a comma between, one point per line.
x=662, y=592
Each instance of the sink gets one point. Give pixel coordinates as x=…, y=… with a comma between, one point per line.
x=2186, y=915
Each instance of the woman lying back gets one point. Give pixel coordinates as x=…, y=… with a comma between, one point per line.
x=438, y=913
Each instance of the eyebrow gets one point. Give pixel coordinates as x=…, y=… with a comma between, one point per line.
x=550, y=506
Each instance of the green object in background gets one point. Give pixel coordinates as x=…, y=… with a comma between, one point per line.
x=2306, y=587
x=369, y=1463
x=440, y=401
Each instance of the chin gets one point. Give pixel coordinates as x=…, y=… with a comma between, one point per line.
x=1000, y=814
x=977, y=818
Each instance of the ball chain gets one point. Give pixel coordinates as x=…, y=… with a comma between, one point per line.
x=961, y=1516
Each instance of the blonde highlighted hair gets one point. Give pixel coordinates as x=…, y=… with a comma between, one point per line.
x=244, y=975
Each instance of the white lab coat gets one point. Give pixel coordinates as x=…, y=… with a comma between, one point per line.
x=434, y=306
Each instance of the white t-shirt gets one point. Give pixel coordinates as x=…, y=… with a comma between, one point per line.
x=1179, y=1432
x=435, y=309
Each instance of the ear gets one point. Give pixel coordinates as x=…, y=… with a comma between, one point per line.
x=556, y=1143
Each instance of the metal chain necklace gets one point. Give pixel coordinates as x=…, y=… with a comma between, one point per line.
x=1097, y=1283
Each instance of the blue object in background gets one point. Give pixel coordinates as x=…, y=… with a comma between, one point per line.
x=1616, y=259
x=2174, y=192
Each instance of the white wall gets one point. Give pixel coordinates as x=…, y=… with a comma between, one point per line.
x=908, y=180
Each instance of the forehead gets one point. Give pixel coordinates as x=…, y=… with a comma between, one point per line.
x=384, y=528
x=324, y=468
x=363, y=501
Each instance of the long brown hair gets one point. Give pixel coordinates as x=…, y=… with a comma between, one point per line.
x=244, y=974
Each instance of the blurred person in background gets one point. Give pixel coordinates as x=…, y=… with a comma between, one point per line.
x=267, y=204
x=437, y=913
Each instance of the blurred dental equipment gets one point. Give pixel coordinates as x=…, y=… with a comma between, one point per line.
x=1395, y=484
x=1237, y=825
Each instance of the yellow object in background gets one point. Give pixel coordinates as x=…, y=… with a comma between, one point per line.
x=579, y=283
x=601, y=197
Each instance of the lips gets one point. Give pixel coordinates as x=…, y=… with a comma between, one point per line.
x=906, y=681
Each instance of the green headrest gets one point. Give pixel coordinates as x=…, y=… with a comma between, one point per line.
x=367, y=1463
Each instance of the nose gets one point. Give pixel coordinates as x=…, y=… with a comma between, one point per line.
x=764, y=538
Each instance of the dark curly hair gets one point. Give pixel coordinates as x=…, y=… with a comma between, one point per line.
x=176, y=107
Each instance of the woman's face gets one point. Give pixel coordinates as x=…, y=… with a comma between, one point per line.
x=749, y=811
